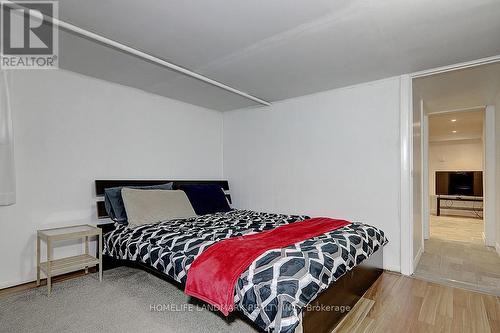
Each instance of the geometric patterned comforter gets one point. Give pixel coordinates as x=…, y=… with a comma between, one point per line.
x=276, y=287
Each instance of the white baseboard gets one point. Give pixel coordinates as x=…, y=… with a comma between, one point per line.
x=390, y=268
x=488, y=242
x=10, y=284
x=416, y=260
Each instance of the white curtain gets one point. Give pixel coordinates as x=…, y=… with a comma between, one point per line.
x=7, y=172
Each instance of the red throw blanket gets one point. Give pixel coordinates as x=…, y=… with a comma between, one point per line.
x=213, y=274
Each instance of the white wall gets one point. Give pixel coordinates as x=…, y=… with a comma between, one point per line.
x=463, y=155
x=335, y=153
x=70, y=130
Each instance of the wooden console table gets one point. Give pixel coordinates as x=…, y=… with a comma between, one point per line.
x=53, y=267
x=456, y=198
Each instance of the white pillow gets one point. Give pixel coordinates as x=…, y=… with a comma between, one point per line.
x=151, y=206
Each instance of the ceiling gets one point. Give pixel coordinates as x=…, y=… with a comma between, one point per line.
x=465, y=125
x=274, y=49
x=459, y=89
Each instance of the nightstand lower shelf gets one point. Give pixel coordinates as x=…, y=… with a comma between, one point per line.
x=69, y=264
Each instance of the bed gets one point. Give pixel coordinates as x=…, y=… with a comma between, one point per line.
x=308, y=286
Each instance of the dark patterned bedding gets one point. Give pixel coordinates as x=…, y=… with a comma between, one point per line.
x=275, y=288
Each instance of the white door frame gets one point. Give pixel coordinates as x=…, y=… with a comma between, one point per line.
x=489, y=181
x=426, y=210
x=406, y=142
x=406, y=194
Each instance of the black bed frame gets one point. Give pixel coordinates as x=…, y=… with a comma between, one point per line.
x=321, y=316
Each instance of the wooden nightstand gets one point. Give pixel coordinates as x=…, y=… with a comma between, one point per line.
x=53, y=267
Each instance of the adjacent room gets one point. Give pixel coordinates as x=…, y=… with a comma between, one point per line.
x=250, y=166
x=455, y=250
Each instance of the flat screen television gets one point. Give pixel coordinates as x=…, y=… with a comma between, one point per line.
x=461, y=183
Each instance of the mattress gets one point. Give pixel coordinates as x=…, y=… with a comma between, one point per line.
x=278, y=285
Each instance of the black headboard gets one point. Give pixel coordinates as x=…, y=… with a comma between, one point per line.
x=100, y=185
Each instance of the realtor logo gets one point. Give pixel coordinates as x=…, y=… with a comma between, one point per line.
x=28, y=38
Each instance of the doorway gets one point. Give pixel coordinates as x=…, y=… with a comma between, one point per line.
x=454, y=178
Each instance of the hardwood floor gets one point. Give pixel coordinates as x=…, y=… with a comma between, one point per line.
x=455, y=255
x=457, y=229
x=396, y=303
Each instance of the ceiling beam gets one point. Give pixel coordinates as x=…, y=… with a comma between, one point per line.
x=146, y=56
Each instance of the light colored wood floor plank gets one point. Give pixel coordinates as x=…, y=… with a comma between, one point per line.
x=429, y=308
x=355, y=321
x=396, y=303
